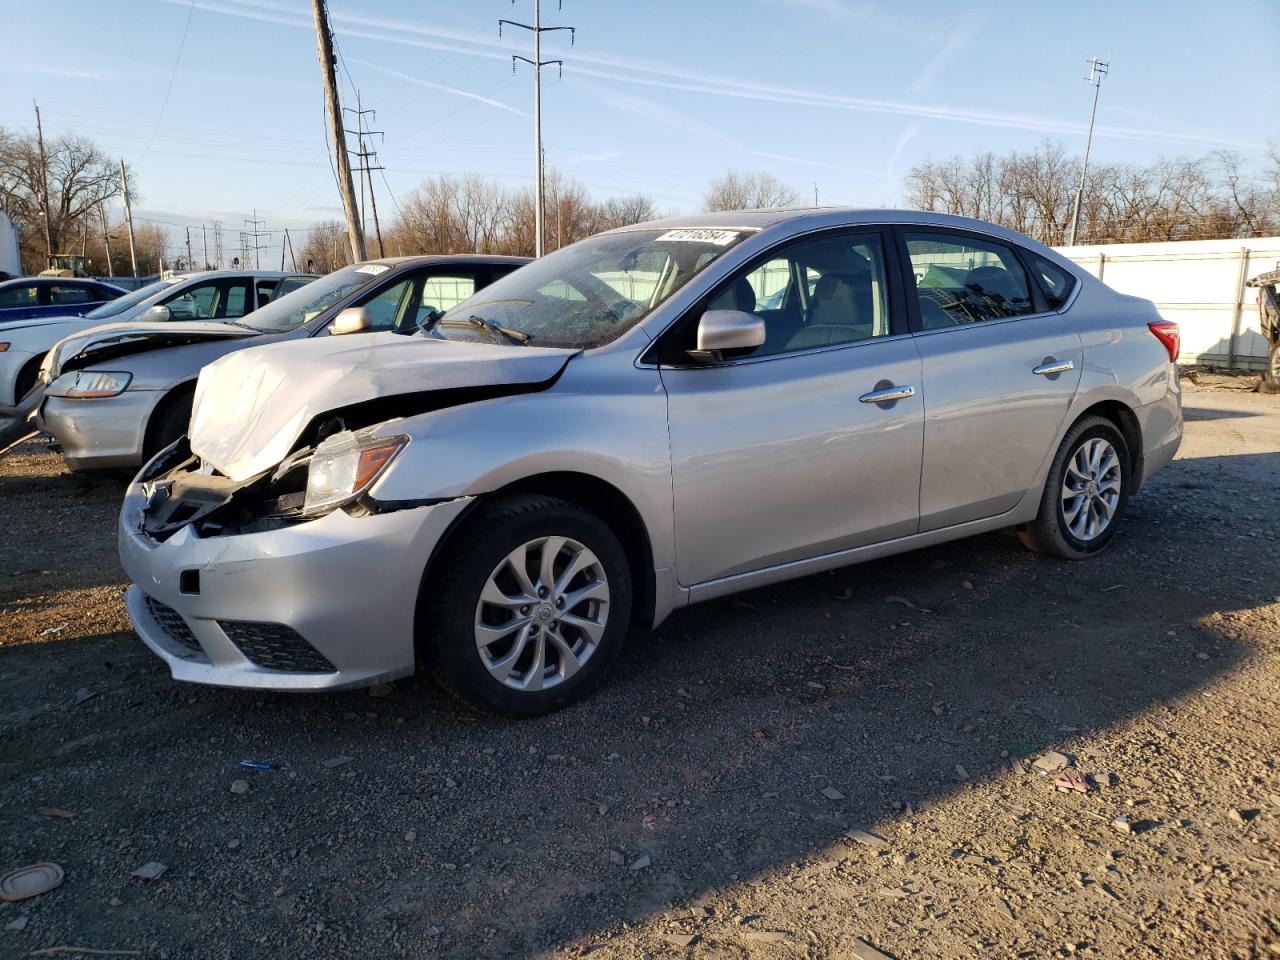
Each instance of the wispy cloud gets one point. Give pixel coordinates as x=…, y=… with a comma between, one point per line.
x=496, y=104
x=634, y=71
x=845, y=10
x=956, y=41
x=602, y=156
x=68, y=73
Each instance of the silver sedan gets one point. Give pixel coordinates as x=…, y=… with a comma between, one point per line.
x=649, y=418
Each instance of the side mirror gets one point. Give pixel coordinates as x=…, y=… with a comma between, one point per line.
x=351, y=320
x=158, y=314
x=721, y=330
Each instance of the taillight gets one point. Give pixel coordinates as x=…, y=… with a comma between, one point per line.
x=1166, y=331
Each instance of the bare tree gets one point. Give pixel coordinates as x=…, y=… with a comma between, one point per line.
x=326, y=248
x=1170, y=199
x=748, y=191
x=81, y=177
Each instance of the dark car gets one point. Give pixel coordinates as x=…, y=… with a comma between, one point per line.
x=28, y=297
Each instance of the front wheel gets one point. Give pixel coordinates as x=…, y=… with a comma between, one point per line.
x=526, y=608
x=1085, y=493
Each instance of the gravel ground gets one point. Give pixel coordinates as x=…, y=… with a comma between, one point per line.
x=698, y=806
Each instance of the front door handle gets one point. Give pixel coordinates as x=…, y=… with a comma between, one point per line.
x=888, y=394
x=1051, y=367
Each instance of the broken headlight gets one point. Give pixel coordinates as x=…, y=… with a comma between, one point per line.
x=89, y=383
x=344, y=466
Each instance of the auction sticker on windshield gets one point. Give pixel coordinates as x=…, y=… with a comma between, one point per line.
x=717, y=237
x=374, y=268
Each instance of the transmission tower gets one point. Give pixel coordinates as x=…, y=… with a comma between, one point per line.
x=537, y=29
x=1097, y=70
x=367, y=163
x=217, y=245
x=249, y=239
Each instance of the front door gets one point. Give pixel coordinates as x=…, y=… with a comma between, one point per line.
x=999, y=374
x=811, y=443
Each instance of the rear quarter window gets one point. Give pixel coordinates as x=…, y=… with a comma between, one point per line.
x=1056, y=282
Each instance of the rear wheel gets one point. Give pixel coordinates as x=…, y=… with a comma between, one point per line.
x=526, y=608
x=1085, y=494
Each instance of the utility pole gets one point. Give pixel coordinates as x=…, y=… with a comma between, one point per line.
x=44, y=181
x=324, y=48
x=188, y=248
x=537, y=29
x=815, y=194
x=128, y=216
x=292, y=258
x=1097, y=70
x=365, y=167
x=256, y=234
x=204, y=242
x=106, y=239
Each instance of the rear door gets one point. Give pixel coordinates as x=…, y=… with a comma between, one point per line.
x=1000, y=371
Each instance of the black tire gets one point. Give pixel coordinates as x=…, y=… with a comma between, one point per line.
x=168, y=423
x=450, y=597
x=1271, y=375
x=26, y=380
x=1049, y=533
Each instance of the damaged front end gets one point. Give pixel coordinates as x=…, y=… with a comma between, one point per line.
x=336, y=471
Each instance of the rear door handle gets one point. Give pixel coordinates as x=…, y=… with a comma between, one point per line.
x=1050, y=367
x=887, y=394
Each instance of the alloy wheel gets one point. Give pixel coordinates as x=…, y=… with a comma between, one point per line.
x=542, y=613
x=1091, y=489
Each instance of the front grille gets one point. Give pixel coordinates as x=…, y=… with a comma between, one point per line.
x=171, y=622
x=276, y=647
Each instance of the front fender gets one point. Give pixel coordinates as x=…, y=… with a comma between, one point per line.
x=604, y=417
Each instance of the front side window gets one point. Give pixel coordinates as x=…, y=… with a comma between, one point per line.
x=14, y=297
x=589, y=293
x=961, y=280
x=818, y=292
x=193, y=303
x=442, y=293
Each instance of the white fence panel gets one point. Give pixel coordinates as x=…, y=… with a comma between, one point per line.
x=1198, y=284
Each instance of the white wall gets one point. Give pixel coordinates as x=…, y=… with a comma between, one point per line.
x=1198, y=284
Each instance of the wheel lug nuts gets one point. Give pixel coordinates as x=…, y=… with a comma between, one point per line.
x=542, y=591
x=560, y=602
x=524, y=610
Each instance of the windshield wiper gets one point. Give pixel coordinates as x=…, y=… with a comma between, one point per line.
x=493, y=329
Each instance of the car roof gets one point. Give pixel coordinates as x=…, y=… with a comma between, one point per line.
x=63, y=281
x=801, y=218
x=493, y=258
x=235, y=274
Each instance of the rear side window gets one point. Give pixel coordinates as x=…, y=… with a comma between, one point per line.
x=66, y=295
x=1057, y=283
x=961, y=280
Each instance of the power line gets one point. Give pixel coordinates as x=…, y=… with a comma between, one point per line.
x=164, y=105
x=364, y=166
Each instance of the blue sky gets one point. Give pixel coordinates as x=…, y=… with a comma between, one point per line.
x=657, y=97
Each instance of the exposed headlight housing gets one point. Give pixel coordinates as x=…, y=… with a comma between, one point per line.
x=3, y=347
x=89, y=383
x=344, y=466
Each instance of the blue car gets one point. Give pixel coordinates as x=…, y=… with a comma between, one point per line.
x=30, y=297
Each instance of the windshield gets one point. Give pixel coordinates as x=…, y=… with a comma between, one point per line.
x=306, y=303
x=120, y=304
x=589, y=293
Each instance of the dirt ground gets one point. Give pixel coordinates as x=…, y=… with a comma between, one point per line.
x=698, y=806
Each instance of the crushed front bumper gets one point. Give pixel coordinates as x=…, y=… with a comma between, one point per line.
x=321, y=605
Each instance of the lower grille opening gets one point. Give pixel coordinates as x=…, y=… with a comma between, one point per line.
x=171, y=623
x=274, y=646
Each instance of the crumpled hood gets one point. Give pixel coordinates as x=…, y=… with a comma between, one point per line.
x=252, y=405
x=121, y=339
